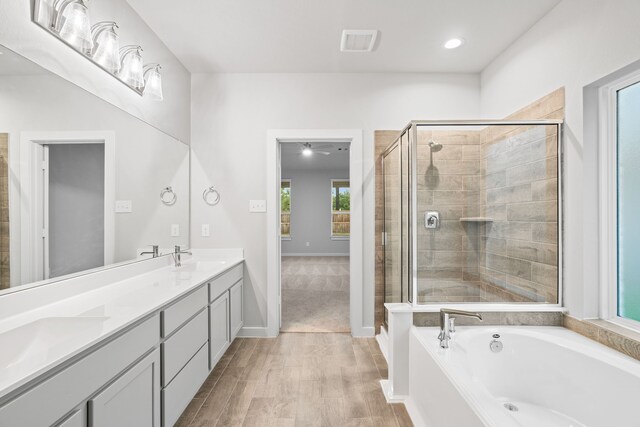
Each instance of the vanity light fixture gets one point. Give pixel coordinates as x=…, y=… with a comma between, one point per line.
x=106, y=46
x=153, y=82
x=131, y=71
x=71, y=22
x=454, y=43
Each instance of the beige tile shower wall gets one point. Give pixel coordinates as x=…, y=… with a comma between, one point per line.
x=519, y=191
x=448, y=182
x=4, y=211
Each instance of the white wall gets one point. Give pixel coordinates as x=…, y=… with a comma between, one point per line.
x=311, y=212
x=20, y=34
x=577, y=43
x=231, y=114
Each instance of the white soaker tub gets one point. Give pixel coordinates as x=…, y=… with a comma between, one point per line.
x=543, y=377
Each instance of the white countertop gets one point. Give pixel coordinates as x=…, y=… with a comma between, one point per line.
x=38, y=340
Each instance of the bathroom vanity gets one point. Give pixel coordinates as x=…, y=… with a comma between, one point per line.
x=132, y=350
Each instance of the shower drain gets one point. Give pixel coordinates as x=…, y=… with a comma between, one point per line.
x=511, y=407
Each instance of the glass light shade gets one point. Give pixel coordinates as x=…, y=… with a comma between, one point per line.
x=132, y=71
x=76, y=27
x=107, y=52
x=153, y=86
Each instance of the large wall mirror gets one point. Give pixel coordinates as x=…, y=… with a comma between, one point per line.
x=83, y=184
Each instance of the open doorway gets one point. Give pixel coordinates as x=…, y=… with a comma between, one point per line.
x=315, y=222
x=67, y=196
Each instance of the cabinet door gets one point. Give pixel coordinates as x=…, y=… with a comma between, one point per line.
x=218, y=328
x=132, y=400
x=235, y=304
x=76, y=419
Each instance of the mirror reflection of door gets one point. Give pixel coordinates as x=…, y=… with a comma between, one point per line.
x=74, y=186
x=4, y=211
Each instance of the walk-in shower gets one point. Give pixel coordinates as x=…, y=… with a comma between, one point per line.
x=478, y=221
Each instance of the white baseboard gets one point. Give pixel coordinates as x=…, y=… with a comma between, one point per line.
x=414, y=414
x=388, y=393
x=364, y=331
x=254, y=332
x=383, y=342
x=306, y=254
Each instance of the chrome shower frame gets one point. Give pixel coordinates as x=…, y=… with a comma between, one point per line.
x=412, y=131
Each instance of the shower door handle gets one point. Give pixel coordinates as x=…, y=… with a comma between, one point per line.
x=432, y=219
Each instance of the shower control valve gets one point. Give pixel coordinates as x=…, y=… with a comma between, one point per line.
x=432, y=219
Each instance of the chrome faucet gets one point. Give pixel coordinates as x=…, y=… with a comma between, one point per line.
x=177, y=255
x=447, y=323
x=154, y=251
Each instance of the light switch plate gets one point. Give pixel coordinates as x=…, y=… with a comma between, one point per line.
x=123, y=206
x=175, y=230
x=257, y=205
x=205, y=230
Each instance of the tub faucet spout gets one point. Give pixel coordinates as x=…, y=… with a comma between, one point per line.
x=447, y=323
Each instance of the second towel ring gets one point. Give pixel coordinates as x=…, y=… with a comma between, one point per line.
x=211, y=196
x=167, y=196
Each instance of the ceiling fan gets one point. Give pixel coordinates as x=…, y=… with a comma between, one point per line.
x=307, y=150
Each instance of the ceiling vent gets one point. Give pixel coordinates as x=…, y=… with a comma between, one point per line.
x=358, y=40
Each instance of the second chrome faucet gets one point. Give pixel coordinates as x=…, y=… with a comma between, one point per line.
x=447, y=323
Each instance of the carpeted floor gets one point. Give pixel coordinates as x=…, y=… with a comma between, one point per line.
x=315, y=294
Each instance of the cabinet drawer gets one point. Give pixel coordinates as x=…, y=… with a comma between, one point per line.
x=181, y=311
x=177, y=395
x=181, y=346
x=50, y=400
x=221, y=283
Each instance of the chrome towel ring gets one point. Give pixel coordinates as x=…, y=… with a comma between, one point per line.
x=168, y=197
x=211, y=196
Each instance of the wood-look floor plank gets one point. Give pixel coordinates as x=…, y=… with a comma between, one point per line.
x=297, y=379
x=236, y=409
x=402, y=416
x=309, y=408
x=333, y=412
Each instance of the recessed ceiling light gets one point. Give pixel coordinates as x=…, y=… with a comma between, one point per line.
x=454, y=43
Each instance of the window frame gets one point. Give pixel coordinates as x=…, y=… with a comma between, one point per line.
x=288, y=236
x=608, y=189
x=331, y=181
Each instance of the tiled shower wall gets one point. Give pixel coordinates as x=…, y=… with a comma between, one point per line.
x=448, y=182
x=518, y=251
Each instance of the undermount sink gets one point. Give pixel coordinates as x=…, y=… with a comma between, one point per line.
x=27, y=347
x=198, y=266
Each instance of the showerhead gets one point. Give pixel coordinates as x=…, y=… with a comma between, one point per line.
x=434, y=146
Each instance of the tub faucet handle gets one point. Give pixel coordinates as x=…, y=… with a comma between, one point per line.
x=452, y=324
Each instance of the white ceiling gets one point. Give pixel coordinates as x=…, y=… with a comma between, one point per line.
x=304, y=35
x=292, y=159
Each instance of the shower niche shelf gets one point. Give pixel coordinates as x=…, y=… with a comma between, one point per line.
x=476, y=219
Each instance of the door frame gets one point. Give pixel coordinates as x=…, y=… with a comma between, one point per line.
x=31, y=196
x=357, y=308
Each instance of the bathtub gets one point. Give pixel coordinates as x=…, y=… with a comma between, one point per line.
x=542, y=377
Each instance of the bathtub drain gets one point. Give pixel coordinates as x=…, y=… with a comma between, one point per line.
x=511, y=407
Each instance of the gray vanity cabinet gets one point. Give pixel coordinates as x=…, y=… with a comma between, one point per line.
x=76, y=419
x=147, y=374
x=218, y=328
x=131, y=400
x=235, y=308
